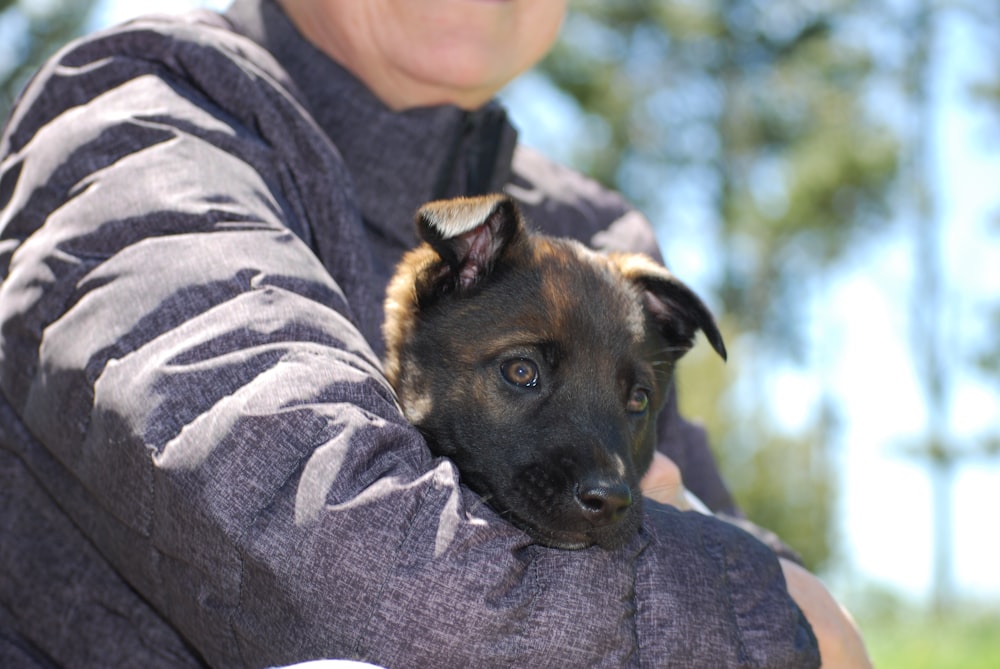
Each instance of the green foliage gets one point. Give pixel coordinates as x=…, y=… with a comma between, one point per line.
x=989, y=359
x=759, y=109
x=966, y=639
x=901, y=634
x=783, y=481
x=31, y=32
x=761, y=105
x=798, y=507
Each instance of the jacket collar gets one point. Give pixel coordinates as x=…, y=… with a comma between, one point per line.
x=399, y=160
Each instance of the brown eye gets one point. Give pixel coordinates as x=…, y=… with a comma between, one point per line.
x=521, y=372
x=638, y=401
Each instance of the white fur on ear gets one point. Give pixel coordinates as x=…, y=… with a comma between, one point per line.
x=452, y=218
x=636, y=265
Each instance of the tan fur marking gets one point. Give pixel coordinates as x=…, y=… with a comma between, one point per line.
x=401, y=307
x=635, y=265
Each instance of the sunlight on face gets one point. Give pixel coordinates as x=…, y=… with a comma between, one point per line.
x=469, y=45
x=423, y=52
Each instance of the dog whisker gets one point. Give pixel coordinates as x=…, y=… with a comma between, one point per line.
x=657, y=488
x=652, y=491
x=487, y=283
x=670, y=350
x=482, y=500
x=656, y=509
x=485, y=500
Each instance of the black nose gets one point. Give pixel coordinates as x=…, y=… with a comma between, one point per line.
x=603, y=502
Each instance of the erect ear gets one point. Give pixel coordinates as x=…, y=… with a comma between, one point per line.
x=672, y=306
x=470, y=234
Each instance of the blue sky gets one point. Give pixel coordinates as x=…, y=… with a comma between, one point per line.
x=860, y=339
x=863, y=331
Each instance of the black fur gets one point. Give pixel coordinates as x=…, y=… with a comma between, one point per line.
x=538, y=366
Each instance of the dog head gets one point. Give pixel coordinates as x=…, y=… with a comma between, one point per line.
x=537, y=365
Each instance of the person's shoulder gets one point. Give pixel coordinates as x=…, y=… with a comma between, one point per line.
x=191, y=46
x=560, y=201
x=198, y=55
x=163, y=40
x=195, y=29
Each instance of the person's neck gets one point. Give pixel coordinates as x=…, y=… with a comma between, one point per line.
x=398, y=90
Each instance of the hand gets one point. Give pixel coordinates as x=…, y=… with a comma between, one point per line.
x=663, y=483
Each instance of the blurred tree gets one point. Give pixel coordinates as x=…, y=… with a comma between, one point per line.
x=30, y=31
x=782, y=480
x=934, y=346
x=758, y=105
x=755, y=116
x=988, y=359
x=988, y=92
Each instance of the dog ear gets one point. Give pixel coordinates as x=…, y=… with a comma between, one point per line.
x=674, y=307
x=470, y=234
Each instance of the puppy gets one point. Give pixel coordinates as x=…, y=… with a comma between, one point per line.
x=537, y=365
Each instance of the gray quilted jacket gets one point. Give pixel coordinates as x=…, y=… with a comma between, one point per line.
x=200, y=460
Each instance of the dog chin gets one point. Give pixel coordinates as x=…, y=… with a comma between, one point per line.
x=565, y=541
x=608, y=538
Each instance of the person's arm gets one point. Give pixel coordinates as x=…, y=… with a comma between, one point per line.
x=840, y=641
x=172, y=337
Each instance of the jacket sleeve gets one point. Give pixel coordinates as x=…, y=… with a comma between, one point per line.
x=182, y=328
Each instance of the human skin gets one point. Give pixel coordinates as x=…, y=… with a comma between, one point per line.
x=418, y=53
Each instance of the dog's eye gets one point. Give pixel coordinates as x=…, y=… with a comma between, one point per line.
x=521, y=372
x=638, y=401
